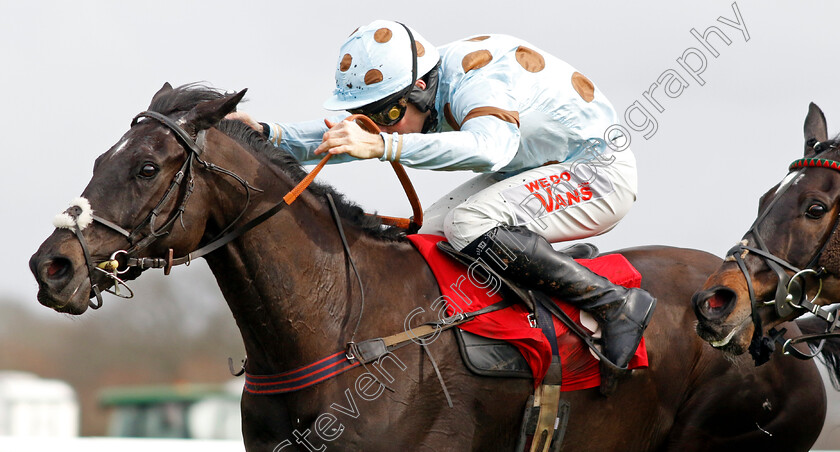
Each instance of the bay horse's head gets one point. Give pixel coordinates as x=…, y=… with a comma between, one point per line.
x=134, y=207
x=788, y=262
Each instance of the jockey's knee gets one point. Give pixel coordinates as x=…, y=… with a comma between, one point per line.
x=467, y=222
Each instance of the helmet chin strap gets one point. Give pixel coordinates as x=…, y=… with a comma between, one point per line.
x=424, y=99
x=431, y=122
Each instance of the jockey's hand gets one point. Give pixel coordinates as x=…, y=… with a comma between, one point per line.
x=347, y=137
x=246, y=118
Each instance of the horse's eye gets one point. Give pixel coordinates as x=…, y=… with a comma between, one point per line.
x=148, y=170
x=816, y=210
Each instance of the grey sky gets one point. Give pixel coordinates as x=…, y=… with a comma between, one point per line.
x=75, y=73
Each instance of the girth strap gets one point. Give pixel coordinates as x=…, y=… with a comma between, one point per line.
x=356, y=354
x=372, y=349
x=300, y=378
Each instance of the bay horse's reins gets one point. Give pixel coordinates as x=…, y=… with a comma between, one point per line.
x=790, y=294
x=194, y=150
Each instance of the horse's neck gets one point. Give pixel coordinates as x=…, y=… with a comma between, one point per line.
x=287, y=294
x=287, y=282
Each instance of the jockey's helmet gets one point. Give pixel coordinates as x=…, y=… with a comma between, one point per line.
x=376, y=63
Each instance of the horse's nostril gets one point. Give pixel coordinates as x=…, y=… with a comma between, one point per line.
x=715, y=303
x=718, y=300
x=58, y=268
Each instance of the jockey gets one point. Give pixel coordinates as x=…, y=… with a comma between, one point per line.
x=533, y=127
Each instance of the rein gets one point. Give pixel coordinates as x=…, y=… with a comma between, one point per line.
x=790, y=294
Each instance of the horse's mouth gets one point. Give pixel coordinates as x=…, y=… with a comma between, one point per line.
x=716, y=338
x=725, y=341
x=68, y=301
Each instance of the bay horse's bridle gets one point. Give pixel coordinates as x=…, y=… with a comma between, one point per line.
x=111, y=267
x=790, y=293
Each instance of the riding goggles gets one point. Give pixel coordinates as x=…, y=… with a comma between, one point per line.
x=386, y=112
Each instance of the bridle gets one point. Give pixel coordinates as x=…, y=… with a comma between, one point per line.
x=137, y=241
x=790, y=295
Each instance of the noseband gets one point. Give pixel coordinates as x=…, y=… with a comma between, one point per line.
x=790, y=296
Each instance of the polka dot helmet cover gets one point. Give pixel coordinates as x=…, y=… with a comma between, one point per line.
x=375, y=62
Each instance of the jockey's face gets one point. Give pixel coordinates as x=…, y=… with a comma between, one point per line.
x=412, y=121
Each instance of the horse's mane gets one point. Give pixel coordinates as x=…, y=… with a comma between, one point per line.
x=185, y=97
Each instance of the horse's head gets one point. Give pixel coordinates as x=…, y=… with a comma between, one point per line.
x=134, y=206
x=791, y=252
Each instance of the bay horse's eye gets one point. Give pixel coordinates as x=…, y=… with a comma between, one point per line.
x=148, y=170
x=816, y=210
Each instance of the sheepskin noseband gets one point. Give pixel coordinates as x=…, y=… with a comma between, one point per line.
x=78, y=214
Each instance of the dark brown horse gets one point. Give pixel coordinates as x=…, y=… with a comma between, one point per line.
x=295, y=298
x=787, y=264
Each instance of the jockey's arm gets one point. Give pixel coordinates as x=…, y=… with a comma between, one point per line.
x=302, y=138
x=299, y=138
x=488, y=138
x=484, y=144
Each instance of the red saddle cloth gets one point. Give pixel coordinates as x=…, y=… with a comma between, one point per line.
x=462, y=291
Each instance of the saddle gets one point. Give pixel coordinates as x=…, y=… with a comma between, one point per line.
x=551, y=346
x=546, y=416
x=496, y=357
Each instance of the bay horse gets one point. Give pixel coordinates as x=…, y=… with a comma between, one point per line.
x=787, y=265
x=296, y=299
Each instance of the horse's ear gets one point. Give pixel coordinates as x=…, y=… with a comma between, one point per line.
x=207, y=114
x=165, y=89
x=815, y=126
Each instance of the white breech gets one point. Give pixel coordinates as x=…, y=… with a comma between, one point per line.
x=562, y=201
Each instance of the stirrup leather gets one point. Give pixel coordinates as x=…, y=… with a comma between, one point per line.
x=545, y=419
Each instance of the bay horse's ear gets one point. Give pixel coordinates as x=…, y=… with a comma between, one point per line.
x=165, y=89
x=815, y=126
x=207, y=114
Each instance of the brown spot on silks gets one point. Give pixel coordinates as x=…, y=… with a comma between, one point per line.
x=450, y=118
x=373, y=76
x=420, y=49
x=530, y=59
x=382, y=35
x=346, y=61
x=478, y=38
x=584, y=87
x=476, y=60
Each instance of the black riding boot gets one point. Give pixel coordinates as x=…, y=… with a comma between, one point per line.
x=528, y=259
